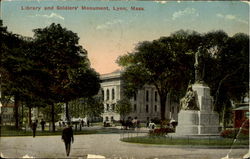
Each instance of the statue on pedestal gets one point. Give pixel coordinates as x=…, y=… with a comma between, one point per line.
x=199, y=65
x=189, y=101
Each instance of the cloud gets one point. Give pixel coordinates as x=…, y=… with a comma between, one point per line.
x=185, y=12
x=52, y=15
x=109, y=24
x=246, y=2
x=231, y=17
x=161, y=2
x=220, y=15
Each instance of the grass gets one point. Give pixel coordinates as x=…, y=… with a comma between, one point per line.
x=10, y=131
x=186, y=141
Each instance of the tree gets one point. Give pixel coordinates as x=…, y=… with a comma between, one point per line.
x=88, y=106
x=83, y=83
x=65, y=65
x=123, y=107
x=14, y=69
x=227, y=70
x=161, y=63
x=48, y=69
x=46, y=111
x=168, y=64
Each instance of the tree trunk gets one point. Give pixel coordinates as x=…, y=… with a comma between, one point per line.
x=163, y=106
x=22, y=115
x=67, y=111
x=16, y=105
x=53, y=117
x=29, y=116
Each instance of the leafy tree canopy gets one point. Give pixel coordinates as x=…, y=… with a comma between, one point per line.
x=168, y=64
x=123, y=107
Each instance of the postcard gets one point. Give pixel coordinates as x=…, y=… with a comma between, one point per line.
x=108, y=35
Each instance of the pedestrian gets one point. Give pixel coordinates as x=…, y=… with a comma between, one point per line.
x=33, y=127
x=88, y=123
x=42, y=124
x=82, y=123
x=147, y=124
x=138, y=124
x=152, y=125
x=67, y=137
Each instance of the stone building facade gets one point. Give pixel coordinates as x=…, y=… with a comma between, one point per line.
x=7, y=114
x=145, y=104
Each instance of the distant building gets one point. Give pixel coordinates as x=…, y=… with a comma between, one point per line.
x=145, y=103
x=7, y=113
x=240, y=115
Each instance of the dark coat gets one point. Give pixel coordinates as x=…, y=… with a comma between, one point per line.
x=67, y=135
x=34, y=125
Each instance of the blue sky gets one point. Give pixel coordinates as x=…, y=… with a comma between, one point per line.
x=109, y=34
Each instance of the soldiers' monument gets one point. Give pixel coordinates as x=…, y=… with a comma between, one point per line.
x=196, y=116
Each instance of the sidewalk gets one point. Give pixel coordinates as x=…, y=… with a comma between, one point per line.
x=108, y=145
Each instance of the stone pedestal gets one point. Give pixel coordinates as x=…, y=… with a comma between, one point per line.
x=199, y=122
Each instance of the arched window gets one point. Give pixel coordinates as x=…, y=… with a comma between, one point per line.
x=107, y=107
x=135, y=107
x=107, y=92
x=147, y=96
x=155, y=96
x=107, y=118
x=113, y=107
x=102, y=94
x=113, y=94
x=135, y=97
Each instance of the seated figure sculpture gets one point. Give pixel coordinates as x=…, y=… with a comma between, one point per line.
x=189, y=102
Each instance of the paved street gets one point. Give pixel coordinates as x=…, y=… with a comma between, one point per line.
x=107, y=145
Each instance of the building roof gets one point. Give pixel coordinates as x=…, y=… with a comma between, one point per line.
x=113, y=75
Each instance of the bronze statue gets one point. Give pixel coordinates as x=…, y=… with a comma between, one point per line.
x=199, y=65
x=189, y=101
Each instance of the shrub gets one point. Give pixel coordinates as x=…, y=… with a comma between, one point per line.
x=156, y=120
x=160, y=131
x=232, y=133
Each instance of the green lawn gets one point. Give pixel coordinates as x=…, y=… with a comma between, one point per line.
x=10, y=131
x=186, y=141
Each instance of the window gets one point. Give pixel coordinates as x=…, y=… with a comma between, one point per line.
x=135, y=107
x=155, y=108
x=113, y=107
x=107, y=94
x=135, y=97
x=113, y=94
x=146, y=108
x=155, y=96
x=107, y=118
x=112, y=118
x=102, y=94
x=107, y=107
x=147, y=94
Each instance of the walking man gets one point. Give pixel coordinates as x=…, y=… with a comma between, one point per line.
x=33, y=127
x=42, y=124
x=67, y=137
